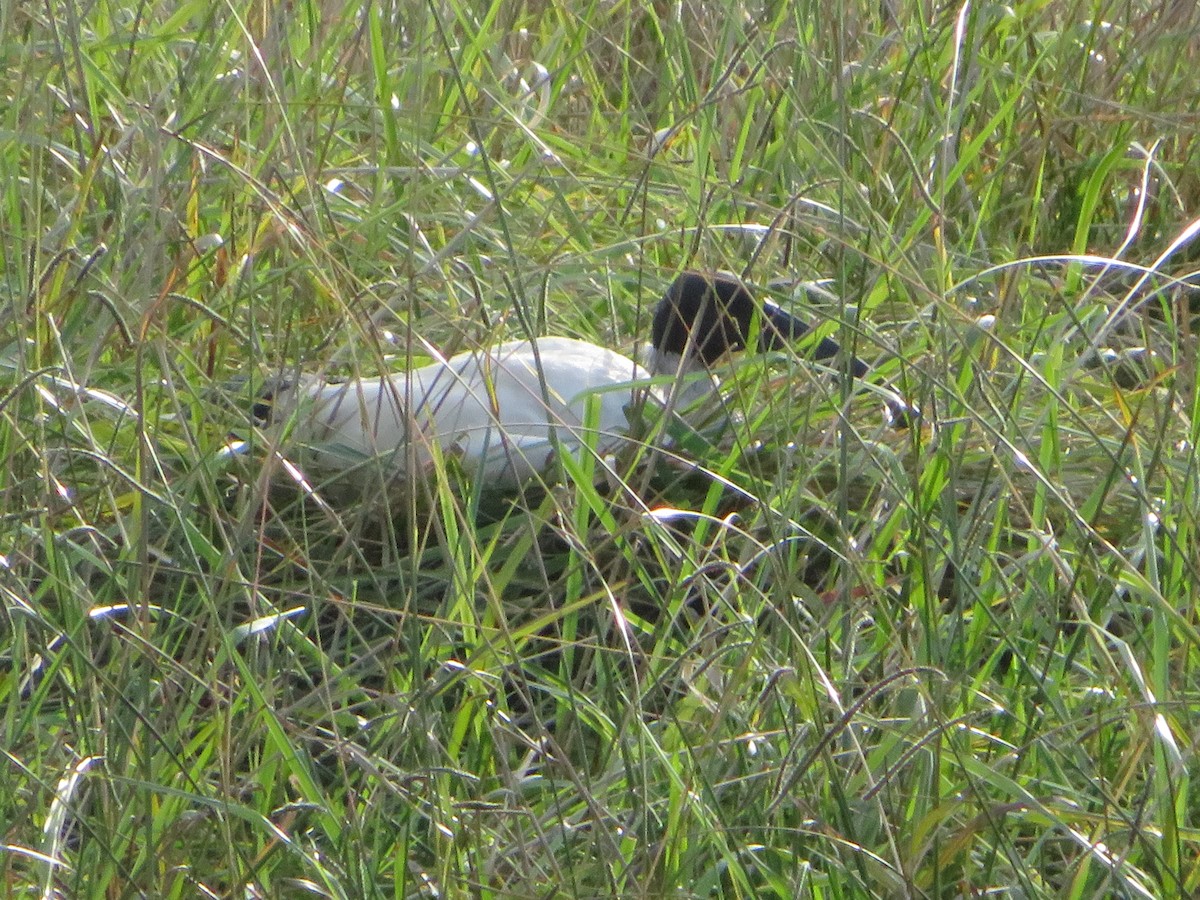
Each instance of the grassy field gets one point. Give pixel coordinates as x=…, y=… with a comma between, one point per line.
x=808, y=655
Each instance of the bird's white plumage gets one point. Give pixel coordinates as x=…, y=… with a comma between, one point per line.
x=500, y=411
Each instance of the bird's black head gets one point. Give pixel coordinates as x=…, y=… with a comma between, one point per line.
x=263, y=410
x=718, y=310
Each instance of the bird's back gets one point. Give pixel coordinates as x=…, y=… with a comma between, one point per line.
x=494, y=409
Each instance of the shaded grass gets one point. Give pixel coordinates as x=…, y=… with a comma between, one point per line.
x=826, y=660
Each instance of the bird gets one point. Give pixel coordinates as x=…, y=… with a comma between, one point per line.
x=506, y=411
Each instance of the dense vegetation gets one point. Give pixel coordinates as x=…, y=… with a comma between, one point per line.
x=808, y=655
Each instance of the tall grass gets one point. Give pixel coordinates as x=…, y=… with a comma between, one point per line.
x=803, y=655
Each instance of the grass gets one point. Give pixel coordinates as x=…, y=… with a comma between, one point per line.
x=810, y=657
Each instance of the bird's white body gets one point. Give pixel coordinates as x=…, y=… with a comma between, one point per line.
x=503, y=412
